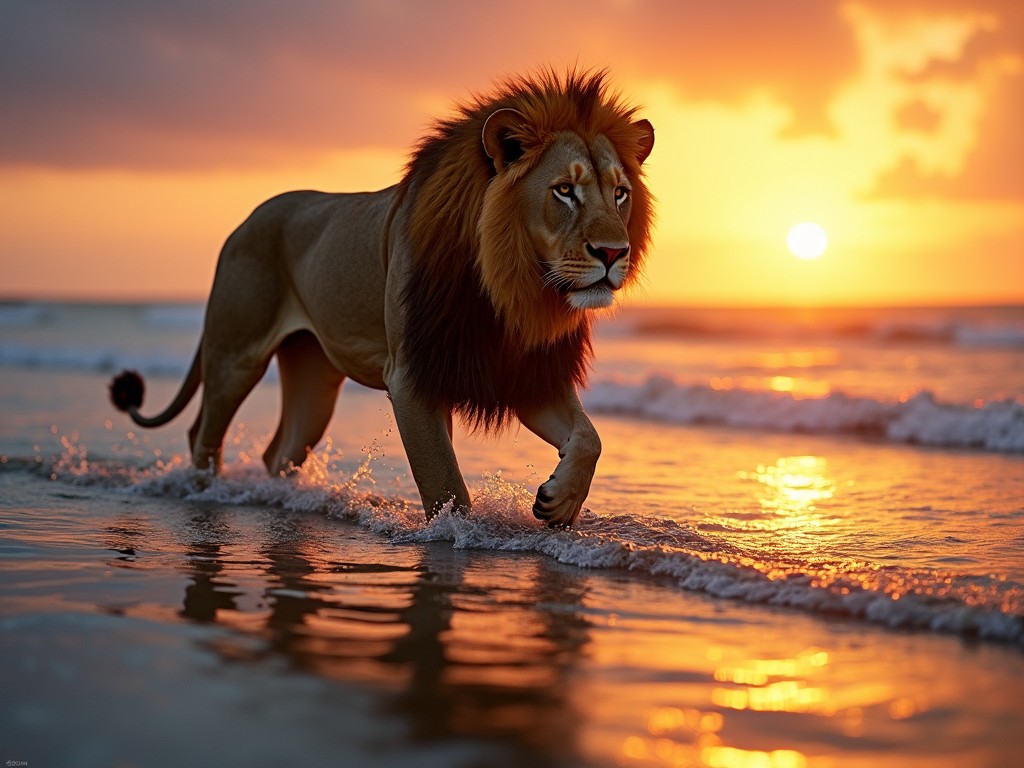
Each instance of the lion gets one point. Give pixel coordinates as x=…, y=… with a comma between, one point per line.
x=468, y=288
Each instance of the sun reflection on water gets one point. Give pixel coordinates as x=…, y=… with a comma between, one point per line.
x=731, y=757
x=798, y=387
x=691, y=737
x=788, y=495
x=794, y=485
x=773, y=685
x=810, y=683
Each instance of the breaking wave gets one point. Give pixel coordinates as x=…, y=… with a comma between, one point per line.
x=921, y=420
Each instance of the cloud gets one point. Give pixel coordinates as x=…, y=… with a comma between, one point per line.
x=194, y=84
x=147, y=84
x=917, y=116
x=139, y=84
x=990, y=170
x=962, y=82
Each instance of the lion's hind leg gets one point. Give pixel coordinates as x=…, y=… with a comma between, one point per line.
x=226, y=383
x=309, y=390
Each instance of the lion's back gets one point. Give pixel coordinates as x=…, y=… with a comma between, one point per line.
x=309, y=260
x=290, y=225
x=309, y=237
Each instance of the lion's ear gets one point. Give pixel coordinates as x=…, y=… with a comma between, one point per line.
x=499, y=137
x=645, y=139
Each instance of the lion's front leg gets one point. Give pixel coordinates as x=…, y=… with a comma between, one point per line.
x=426, y=435
x=564, y=425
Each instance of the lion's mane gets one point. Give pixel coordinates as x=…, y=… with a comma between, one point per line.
x=484, y=336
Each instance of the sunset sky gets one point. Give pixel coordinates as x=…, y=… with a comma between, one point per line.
x=135, y=135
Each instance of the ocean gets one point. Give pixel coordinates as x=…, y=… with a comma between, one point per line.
x=804, y=546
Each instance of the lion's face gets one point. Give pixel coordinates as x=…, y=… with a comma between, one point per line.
x=564, y=221
x=578, y=202
x=556, y=222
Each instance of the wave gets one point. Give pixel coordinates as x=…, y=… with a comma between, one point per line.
x=921, y=420
x=648, y=547
x=178, y=317
x=958, y=333
x=969, y=327
x=94, y=359
x=22, y=315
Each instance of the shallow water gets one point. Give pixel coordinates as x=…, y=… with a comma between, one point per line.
x=155, y=631
x=741, y=596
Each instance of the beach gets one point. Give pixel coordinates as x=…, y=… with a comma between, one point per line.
x=804, y=546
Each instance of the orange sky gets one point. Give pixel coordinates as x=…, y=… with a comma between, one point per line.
x=134, y=136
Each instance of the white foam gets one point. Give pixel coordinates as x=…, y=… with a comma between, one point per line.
x=996, y=426
x=661, y=548
x=657, y=548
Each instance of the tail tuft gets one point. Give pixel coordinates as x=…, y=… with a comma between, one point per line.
x=127, y=390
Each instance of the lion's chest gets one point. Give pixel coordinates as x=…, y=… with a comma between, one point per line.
x=489, y=378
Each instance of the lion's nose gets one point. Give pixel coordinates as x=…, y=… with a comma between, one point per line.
x=607, y=255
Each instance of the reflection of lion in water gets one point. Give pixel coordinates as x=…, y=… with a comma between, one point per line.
x=466, y=287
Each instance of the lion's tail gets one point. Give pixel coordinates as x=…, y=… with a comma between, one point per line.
x=127, y=391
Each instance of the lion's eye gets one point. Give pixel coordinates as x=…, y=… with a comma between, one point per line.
x=621, y=195
x=565, y=191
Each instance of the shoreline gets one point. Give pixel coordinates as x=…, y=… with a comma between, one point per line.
x=267, y=635
x=148, y=618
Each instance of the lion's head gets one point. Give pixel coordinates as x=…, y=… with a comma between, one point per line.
x=565, y=220
x=528, y=210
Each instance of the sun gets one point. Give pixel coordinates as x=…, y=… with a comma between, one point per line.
x=807, y=240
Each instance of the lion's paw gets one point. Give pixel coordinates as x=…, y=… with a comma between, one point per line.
x=557, y=507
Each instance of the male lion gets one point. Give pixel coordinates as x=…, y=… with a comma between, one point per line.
x=467, y=287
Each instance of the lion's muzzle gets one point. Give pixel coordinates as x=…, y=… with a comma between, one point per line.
x=607, y=254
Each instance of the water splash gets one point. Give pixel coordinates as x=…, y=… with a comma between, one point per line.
x=647, y=546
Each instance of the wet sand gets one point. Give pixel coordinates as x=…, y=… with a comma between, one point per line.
x=142, y=631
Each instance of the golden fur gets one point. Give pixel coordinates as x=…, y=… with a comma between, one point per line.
x=467, y=287
x=497, y=236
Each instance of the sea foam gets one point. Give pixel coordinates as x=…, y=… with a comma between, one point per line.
x=995, y=426
x=920, y=420
x=647, y=547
